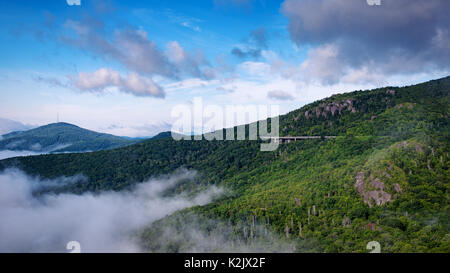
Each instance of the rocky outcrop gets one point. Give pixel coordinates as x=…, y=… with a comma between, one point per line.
x=372, y=190
x=390, y=92
x=331, y=109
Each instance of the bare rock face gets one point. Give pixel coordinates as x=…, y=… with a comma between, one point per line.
x=317, y=110
x=333, y=108
x=382, y=180
x=372, y=191
x=391, y=92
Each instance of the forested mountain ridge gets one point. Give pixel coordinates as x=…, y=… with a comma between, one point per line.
x=384, y=178
x=61, y=137
x=359, y=112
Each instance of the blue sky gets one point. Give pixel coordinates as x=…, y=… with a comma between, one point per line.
x=120, y=67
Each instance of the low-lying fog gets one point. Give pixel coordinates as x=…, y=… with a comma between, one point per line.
x=104, y=222
x=35, y=149
x=8, y=153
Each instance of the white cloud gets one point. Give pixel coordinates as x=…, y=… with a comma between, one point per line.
x=73, y=2
x=130, y=47
x=176, y=52
x=103, y=78
x=323, y=64
x=192, y=64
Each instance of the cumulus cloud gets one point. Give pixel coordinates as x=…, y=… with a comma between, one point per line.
x=185, y=61
x=131, y=47
x=399, y=36
x=323, y=63
x=323, y=66
x=103, y=78
x=279, y=95
x=104, y=222
x=141, y=54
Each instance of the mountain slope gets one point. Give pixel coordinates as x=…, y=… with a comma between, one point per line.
x=384, y=178
x=61, y=137
x=167, y=134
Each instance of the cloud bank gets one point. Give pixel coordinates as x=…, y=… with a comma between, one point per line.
x=399, y=36
x=105, y=222
x=189, y=63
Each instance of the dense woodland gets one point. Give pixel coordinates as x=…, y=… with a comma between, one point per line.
x=384, y=178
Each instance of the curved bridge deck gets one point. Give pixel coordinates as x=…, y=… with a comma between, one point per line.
x=288, y=139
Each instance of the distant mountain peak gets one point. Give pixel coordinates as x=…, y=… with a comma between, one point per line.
x=61, y=137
